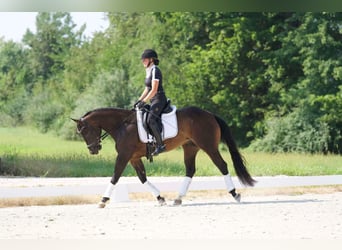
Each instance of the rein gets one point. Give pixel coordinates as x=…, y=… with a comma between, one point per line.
x=105, y=134
x=99, y=140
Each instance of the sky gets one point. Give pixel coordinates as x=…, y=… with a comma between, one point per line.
x=13, y=25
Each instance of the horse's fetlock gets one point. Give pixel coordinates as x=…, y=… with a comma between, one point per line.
x=104, y=199
x=161, y=200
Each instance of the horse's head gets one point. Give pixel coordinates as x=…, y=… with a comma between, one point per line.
x=90, y=134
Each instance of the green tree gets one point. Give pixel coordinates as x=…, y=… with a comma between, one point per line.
x=304, y=72
x=51, y=44
x=223, y=71
x=49, y=50
x=13, y=76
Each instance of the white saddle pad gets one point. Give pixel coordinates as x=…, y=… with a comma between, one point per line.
x=169, y=122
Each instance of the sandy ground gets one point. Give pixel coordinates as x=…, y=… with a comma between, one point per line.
x=307, y=216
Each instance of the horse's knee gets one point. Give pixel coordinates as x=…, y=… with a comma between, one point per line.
x=224, y=170
x=140, y=170
x=190, y=171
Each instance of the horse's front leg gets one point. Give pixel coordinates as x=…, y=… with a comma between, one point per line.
x=120, y=164
x=190, y=152
x=140, y=169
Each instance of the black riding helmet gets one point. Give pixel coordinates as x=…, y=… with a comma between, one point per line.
x=150, y=53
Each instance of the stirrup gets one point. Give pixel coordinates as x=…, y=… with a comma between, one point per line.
x=159, y=149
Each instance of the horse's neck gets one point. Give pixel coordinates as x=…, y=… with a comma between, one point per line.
x=111, y=119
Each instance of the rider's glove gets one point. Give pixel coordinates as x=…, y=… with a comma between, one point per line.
x=140, y=105
x=136, y=104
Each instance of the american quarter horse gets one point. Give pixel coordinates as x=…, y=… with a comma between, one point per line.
x=197, y=129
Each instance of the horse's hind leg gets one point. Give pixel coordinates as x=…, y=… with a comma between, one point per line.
x=222, y=166
x=140, y=169
x=190, y=152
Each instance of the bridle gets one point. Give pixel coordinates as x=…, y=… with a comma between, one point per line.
x=98, y=140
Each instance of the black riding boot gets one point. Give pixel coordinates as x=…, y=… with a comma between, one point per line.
x=160, y=147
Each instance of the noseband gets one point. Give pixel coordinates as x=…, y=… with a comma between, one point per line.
x=97, y=141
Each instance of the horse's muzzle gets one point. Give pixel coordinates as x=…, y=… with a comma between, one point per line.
x=94, y=150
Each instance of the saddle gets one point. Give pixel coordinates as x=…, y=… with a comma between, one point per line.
x=145, y=113
x=168, y=125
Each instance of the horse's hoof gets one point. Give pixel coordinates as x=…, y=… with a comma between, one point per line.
x=177, y=202
x=161, y=201
x=237, y=197
x=101, y=204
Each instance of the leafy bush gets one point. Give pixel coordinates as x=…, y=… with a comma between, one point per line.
x=295, y=132
x=42, y=111
x=6, y=120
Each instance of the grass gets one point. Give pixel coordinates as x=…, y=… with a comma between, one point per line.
x=25, y=152
x=263, y=164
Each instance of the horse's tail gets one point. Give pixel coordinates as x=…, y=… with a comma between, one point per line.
x=237, y=158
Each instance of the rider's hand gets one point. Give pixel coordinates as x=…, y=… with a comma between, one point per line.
x=136, y=104
x=141, y=104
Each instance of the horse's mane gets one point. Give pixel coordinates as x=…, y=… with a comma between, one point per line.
x=124, y=114
x=120, y=110
x=87, y=114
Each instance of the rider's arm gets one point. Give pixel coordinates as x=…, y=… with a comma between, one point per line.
x=144, y=94
x=152, y=93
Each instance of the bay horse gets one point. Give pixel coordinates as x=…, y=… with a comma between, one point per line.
x=197, y=129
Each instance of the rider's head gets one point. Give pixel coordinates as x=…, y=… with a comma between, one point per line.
x=150, y=56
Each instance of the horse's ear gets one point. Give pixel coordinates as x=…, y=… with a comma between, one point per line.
x=75, y=120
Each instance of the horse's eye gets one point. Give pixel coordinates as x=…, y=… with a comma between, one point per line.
x=80, y=129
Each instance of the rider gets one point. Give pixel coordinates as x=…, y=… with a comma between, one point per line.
x=154, y=93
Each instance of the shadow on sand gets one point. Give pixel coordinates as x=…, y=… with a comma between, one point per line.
x=251, y=202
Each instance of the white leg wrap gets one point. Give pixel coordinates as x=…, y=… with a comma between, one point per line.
x=229, y=182
x=152, y=188
x=109, y=190
x=185, y=186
